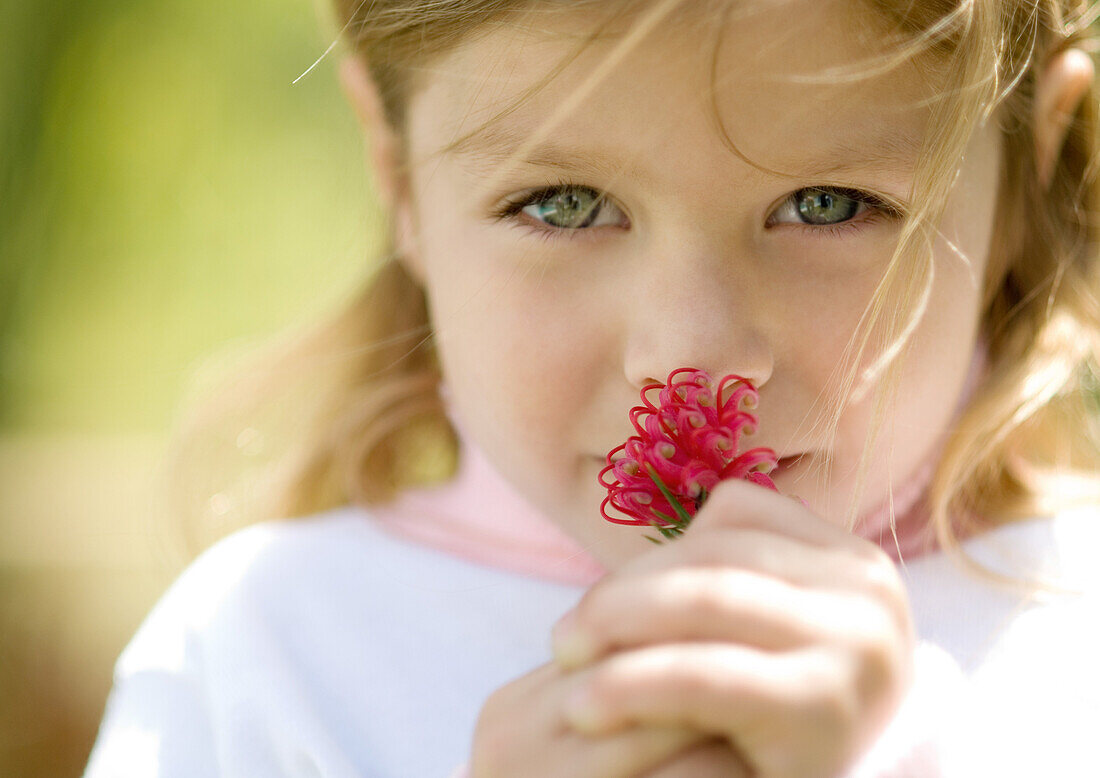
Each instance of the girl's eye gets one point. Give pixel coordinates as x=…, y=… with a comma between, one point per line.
x=563, y=207
x=565, y=210
x=830, y=206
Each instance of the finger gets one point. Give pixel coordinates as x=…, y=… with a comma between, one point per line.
x=737, y=503
x=752, y=698
x=521, y=730
x=508, y=752
x=781, y=556
x=710, y=686
x=712, y=592
x=626, y=754
x=691, y=604
x=711, y=759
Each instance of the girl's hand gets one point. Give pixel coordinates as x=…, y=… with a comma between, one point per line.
x=764, y=624
x=522, y=731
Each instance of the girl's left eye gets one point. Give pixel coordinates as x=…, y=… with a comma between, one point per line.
x=831, y=209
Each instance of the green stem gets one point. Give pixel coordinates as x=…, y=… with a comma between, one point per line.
x=684, y=516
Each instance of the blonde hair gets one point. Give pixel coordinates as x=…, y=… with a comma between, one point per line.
x=357, y=396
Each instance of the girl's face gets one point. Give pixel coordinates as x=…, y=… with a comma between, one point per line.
x=551, y=315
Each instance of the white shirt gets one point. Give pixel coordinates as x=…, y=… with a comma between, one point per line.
x=327, y=647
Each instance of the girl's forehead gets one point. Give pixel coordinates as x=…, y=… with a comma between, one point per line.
x=777, y=82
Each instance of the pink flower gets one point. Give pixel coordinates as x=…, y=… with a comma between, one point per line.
x=685, y=445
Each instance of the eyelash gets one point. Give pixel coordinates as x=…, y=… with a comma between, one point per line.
x=510, y=211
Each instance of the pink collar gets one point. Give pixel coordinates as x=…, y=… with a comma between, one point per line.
x=479, y=516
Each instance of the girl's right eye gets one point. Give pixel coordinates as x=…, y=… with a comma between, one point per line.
x=563, y=208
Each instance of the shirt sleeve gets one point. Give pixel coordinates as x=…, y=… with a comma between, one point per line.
x=158, y=721
x=216, y=683
x=155, y=725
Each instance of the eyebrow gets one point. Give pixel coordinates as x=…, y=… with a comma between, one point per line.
x=888, y=151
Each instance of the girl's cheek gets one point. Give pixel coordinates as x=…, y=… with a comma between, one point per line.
x=814, y=313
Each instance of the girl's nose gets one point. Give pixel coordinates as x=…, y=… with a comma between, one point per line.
x=691, y=320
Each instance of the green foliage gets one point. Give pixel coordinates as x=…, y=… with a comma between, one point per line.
x=166, y=190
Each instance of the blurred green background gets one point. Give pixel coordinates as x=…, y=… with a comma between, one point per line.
x=166, y=191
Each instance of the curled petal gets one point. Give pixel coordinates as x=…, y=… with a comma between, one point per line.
x=667, y=468
x=656, y=426
x=733, y=390
x=699, y=474
x=749, y=462
x=761, y=479
x=618, y=519
x=714, y=446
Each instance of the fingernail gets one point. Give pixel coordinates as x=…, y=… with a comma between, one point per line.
x=572, y=646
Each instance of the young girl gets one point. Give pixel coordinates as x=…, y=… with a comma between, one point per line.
x=883, y=215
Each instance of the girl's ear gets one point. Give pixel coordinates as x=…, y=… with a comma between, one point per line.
x=381, y=140
x=1061, y=87
x=384, y=151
